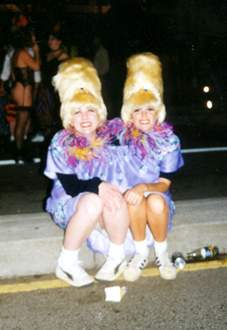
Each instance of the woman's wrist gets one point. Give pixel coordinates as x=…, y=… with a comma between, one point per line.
x=143, y=187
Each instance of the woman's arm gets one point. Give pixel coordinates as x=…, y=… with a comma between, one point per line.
x=134, y=195
x=74, y=186
x=162, y=185
x=109, y=194
x=63, y=56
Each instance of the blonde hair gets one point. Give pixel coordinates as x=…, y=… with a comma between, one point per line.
x=78, y=86
x=143, y=86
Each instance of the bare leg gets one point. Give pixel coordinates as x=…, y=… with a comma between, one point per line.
x=137, y=216
x=69, y=269
x=27, y=127
x=138, y=222
x=116, y=223
x=21, y=122
x=22, y=96
x=84, y=220
x=157, y=215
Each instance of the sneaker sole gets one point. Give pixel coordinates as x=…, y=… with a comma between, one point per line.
x=137, y=272
x=62, y=276
x=128, y=276
x=116, y=275
x=169, y=277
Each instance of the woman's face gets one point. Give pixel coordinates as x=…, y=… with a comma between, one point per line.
x=54, y=43
x=85, y=122
x=144, y=118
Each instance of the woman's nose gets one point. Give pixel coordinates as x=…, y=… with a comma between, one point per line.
x=144, y=114
x=84, y=115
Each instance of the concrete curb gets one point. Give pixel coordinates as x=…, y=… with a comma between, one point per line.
x=30, y=243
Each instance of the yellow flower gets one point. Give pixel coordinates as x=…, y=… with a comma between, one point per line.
x=135, y=133
x=86, y=153
x=82, y=153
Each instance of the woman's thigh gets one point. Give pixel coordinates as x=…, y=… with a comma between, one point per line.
x=65, y=209
x=21, y=95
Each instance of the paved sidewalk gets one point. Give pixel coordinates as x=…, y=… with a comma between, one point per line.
x=30, y=243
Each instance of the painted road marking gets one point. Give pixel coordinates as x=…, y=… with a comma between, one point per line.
x=58, y=284
x=193, y=267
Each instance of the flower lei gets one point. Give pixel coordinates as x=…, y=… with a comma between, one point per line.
x=143, y=142
x=110, y=129
x=82, y=150
x=79, y=148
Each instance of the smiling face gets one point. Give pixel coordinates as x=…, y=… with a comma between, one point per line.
x=85, y=121
x=144, y=118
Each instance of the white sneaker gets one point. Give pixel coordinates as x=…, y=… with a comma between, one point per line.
x=134, y=267
x=74, y=275
x=166, y=267
x=38, y=138
x=110, y=271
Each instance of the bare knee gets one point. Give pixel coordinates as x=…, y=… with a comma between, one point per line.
x=91, y=205
x=156, y=204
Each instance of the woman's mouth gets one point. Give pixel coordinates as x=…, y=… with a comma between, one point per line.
x=85, y=124
x=144, y=122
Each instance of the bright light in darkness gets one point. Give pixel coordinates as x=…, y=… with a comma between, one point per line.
x=206, y=89
x=209, y=104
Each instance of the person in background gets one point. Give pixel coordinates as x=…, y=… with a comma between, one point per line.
x=23, y=67
x=6, y=83
x=101, y=62
x=48, y=105
x=81, y=165
x=157, y=150
x=101, y=58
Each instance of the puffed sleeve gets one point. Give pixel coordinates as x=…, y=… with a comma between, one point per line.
x=172, y=159
x=56, y=157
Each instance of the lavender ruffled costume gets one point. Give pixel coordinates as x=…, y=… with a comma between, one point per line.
x=156, y=152
x=124, y=166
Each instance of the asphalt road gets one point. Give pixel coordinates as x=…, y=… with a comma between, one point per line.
x=195, y=300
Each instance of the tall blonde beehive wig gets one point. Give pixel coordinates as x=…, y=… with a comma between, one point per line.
x=78, y=86
x=143, y=86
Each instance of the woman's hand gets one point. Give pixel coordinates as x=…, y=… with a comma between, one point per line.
x=110, y=195
x=134, y=195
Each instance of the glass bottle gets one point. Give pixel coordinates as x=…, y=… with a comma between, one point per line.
x=203, y=253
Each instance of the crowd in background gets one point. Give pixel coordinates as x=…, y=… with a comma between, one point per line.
x=29, y=105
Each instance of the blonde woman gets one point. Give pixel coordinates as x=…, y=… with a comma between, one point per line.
x=80, y=162
x=157, y=153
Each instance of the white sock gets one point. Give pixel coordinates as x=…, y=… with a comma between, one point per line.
x=116, y=252
x=160, y=247
x=142, y=248
x=68, y=257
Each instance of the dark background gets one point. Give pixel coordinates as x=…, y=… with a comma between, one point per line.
x=189, y=36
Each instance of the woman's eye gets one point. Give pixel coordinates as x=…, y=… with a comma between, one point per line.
x=91, y=110
x=137, y=110
x=150, y=109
